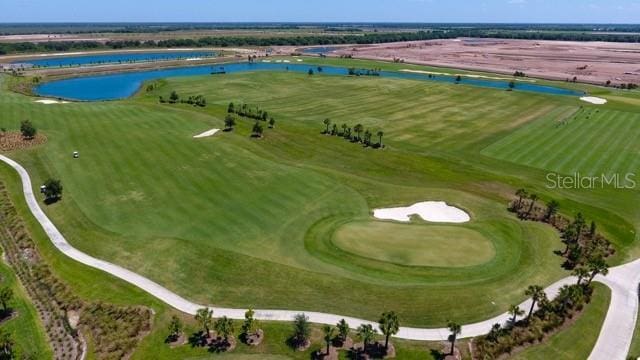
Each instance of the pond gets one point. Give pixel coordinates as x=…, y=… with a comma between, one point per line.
x=114, y=58
x=319, y=50
x=123, y=85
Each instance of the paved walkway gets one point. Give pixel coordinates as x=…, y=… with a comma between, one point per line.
x=613, y=343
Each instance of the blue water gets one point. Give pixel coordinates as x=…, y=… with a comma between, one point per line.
x=319, y=50
x=111, y=58
x=123, y=85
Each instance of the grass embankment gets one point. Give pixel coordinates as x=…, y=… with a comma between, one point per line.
x=25, y=326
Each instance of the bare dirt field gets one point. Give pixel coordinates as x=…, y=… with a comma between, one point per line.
x=593, y=62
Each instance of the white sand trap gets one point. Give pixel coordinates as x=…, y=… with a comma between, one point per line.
x=299, y=60
x=206, y=133
x=267, y=61
x=193, y=59
x=49, y=101
x=434, y=211
x=594, y=100
x=287, y=61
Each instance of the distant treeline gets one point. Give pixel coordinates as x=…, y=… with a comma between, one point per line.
x=363, y=38
x=85, y=28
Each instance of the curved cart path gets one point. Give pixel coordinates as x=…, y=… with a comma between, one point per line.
x=613, y=342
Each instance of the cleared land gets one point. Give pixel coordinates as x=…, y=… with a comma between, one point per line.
x=179, y=214
x=594, y=62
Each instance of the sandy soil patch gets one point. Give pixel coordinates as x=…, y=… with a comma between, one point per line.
x=206, y=133
x=50, y=102
x=433, y=211
x=594, y=100
x=594, y=62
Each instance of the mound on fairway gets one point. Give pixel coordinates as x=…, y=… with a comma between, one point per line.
x=433, y=211
x=415, y=245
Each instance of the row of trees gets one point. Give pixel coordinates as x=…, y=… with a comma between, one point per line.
x=250, y=112
x=357, y=134
x=196, y=100
x=223, y=326
x=300, y=339
x=584, y=248
x=538, y=324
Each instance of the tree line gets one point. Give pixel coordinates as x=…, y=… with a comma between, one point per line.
x=585, y=253
x=357, y=134
x=247, y=111
x=195, y=100
x=585, y=249
x=334, y=336
x=306, y=40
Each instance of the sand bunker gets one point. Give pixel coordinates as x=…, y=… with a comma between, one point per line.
x=206, y=133
x=434, y=211
x=49, y=101
x=594, y=100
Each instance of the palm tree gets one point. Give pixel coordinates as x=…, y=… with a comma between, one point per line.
x=536, y=292
x=389, y=325
x=343, y=329
x=301, y=329
x=358, y=129
x=344, y=129
x=366, y=332
x=597, y=266
x=552, y=209
x=456, y=329
x=515, y=311
x=204, y=316
x=533, y=199
x=367, y=137
x=326, y=123
x=224, y=328
x=175, y=328
x=495, y=332
x=580, y=272
x=380, y=135
x=249, y=323
x=578, y=225
x=329, y=332
x=521, y=193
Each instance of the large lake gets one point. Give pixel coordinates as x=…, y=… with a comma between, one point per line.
x=123, y=85
x=115, y=58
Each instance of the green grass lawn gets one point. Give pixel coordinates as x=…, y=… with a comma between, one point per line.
x=415, y=245
x=25, y=327
x=576, y=341
x=239, y=222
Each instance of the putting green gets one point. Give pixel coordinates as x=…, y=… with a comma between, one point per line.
x=415, y=245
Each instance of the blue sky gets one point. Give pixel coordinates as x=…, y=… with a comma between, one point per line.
x=563, y=11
